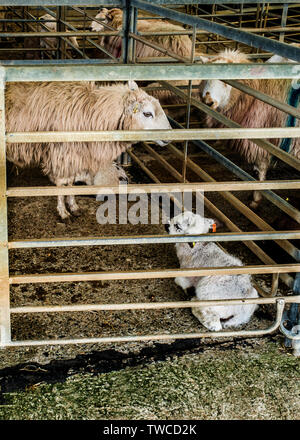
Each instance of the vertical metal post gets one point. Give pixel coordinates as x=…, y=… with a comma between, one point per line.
x=61, y=27
x=125, y=26
x=294, y=313
x=283, y=21
x=128, y=51
x=188, y=112
x=5, y=332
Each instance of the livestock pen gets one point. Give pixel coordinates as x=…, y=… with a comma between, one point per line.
x=191, y=163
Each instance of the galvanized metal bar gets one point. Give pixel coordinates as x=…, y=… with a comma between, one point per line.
x=168, y=135
x=272, y=29
x=151, y=274
x=152, y=306
x=152, y=188
x=152, y=239
x=119, y=3
x=5, y=330
x=283, y=20
x=57, y=34
x=77, y=71
x=241, y=333
x=239, y=35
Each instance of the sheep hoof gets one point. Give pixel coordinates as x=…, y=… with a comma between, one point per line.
x=77, y=212
x=254, y=205
x=67, y=220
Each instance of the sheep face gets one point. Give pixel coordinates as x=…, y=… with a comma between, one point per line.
x=106, y=16
x=189, y=223
x=146, y=112
x=216, y=94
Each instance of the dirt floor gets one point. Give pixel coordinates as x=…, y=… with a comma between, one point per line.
x=36, y=217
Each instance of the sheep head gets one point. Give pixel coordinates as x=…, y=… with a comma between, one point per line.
x=144, y=112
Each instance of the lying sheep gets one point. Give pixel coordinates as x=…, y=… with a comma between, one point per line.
x=71, y=106
x=208, y=254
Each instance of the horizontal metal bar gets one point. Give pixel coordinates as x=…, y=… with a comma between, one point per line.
x=153, y=306
x=152, y=188
x=151, y=274
x=76, y=71
x=241, y=36
x=151, y=239
x=120, y=3
x=242, y=333
x=144, y=135
x=50, y=34
x=204, y=32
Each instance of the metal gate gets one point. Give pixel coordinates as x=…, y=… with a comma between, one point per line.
x=172, y=67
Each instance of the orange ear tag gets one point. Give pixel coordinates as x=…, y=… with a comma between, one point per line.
x=214, y=227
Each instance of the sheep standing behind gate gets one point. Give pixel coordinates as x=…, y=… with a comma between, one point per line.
x=250, y=112
x=48, y=43
x=71, y=106
x=178, y=44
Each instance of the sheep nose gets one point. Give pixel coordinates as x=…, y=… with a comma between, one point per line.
x=167, y=227
x=208, y=100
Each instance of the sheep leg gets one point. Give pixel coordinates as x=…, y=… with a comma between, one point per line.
x=183, y=282
x=207, y=317
x=61, y=207
x=74, y=208
x=262, y=173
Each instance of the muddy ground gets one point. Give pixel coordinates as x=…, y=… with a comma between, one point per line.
x=36, y=217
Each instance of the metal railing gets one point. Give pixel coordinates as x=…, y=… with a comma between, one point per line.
x=76, y=70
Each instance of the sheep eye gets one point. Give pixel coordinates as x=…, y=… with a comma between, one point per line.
x=177, y=227
x=148, y=115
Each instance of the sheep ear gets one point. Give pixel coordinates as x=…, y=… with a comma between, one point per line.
x=132, y=85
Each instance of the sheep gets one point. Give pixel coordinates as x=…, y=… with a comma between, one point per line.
x=112, y=175
x=71, y=106
x=249, y=112
x=209, y=254
x=48, y=42
x=179, y=44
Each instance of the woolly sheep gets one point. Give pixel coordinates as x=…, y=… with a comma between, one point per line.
x=71, y=106
x=249, y=112
x=209, y=254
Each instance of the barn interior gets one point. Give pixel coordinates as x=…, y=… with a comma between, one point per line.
x=76, y=287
